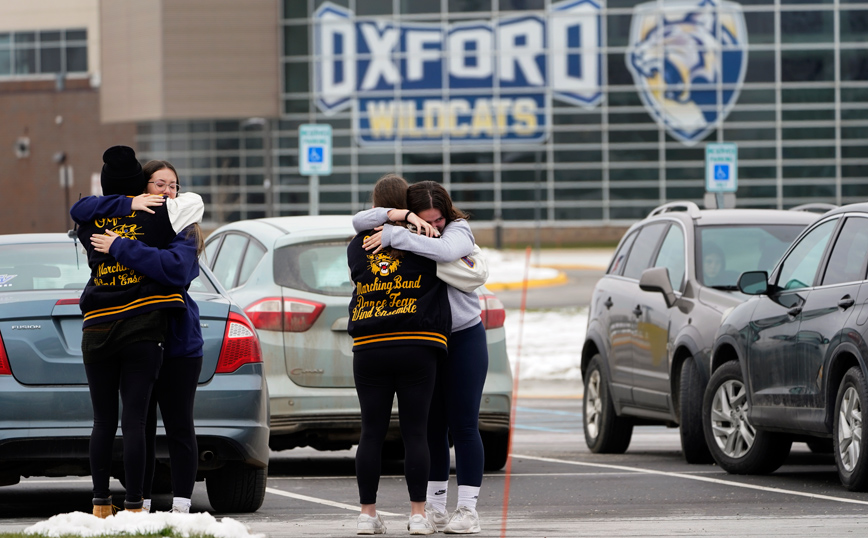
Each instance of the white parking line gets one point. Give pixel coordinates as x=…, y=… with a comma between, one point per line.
x=693, y=477
x=317, y=500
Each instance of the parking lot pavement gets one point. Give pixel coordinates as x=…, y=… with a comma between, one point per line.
x=507, y=268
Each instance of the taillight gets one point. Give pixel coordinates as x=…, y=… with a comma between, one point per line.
x=240, y=345
x=289, y=315
x=493, y=314
x=67, y=301
x=5, y=367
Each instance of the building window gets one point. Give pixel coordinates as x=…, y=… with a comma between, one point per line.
x=26, y=54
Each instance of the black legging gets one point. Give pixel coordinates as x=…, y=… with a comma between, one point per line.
x=175, y=391
x=380, y=373
x=132, y=371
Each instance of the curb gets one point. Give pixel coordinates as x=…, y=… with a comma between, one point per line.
x=561, y=278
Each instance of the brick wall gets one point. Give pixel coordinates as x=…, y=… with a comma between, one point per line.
x=33, y=199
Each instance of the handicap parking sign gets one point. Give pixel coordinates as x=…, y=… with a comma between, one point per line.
x=721, y=167
x=315, y=149
x=314, y=154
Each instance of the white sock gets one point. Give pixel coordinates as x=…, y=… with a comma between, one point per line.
x=182, y=504
x=437, y=495
x=146, y=505
x=467, y=496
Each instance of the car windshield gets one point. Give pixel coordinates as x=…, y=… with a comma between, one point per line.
x=318, y=267
x=725, y=252
x=43, y=266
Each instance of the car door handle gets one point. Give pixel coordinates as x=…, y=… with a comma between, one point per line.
x=637, y=310
x=795, y=311
x=608, y=303
x=846, y=302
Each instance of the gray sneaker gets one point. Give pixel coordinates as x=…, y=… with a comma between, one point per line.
x=420, y=524
x=366, y=524
x=438, y=518
x=464, y=520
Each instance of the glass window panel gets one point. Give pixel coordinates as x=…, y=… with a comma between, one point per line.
x=633, y=174
x=672, y=256
x=761, y=66
x=470, y=177
x=578, y=175
x=24, y=38
x=618, y=72
x=25, y=61
x=520, y=213
x=295, y=40
x=801, y=264
x=617, y=262
x=811, y=95
x=820, y=191
x=5, y=62
x=760, y=28
x=336, y=179
x=49, y=60
x=5, y=40
x=854, y=65
x=415, y=6
x=226, y=264
x=422, y=158
x=334, y=197
x=618, y=29
x=854, y=25
x=49, y=37
x=374, y=7
x=807, y=65
x=76, y=35
x=808, y=171
x=847, y=261
x=639, y=257
x=76, y=59
x=472, y=195
x=465, y=6
x=294, y=9
x=296, y=78
x=807, y=27
x=521, y=5
x=227, y=143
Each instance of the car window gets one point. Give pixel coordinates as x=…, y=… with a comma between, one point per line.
x=318, y=267
x=800, y=267
x=210, y=250
x=618, y=260
x=672, y=255
x=639, y=258
x=725, y=252
x=254, y=253
x=46, y=266
x=226, y=265
x=847, y=261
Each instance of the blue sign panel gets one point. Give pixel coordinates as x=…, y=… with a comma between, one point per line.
x=467, y=82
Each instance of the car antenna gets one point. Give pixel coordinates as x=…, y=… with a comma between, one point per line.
x=72, y=234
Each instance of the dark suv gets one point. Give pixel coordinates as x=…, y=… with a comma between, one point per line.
x=789, y=365
x=654, y=314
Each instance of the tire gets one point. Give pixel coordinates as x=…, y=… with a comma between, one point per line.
x=735, y=444
x=236, y=488
x=605, y=432
x=496, y=447
x=850, y=450
x=690, y=408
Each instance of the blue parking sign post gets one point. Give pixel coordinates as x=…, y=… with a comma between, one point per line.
x=721, y=173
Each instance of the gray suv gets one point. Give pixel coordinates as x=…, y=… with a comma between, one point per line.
x=654, y=314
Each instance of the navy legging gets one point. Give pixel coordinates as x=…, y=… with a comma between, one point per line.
x=132, y=371
x=455, y=408
x=175, y=391
x=409, y=372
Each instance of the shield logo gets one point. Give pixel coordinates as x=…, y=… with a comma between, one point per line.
x=688, y=59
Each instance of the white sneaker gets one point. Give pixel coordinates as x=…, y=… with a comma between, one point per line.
x=366, y=524
x=438, y=518
x=180, y=509
x=420, y=524
x=464, y=520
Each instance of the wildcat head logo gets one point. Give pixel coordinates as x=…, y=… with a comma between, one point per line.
x=382, y=264
x=688, y=59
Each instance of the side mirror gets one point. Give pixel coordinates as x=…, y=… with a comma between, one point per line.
x=754, y=283
x=657, y=279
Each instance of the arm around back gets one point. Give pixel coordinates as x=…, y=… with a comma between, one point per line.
x=176, y=265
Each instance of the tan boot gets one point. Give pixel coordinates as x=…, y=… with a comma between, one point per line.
x=103, y=510
x=134, y=510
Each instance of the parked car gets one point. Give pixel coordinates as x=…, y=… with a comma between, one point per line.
x=654, y=314
x=790, y=363
x=290, y=275
x=47, y=416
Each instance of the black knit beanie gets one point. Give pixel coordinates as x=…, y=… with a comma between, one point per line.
x=122, y=172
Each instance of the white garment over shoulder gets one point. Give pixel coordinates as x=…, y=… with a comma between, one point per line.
x=185, y=209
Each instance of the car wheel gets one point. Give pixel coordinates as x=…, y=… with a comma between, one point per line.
x=690, y=407
x=850, y=450
x=496, y=448
x=236, y=487
x=735, y=444
x=605, y=432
